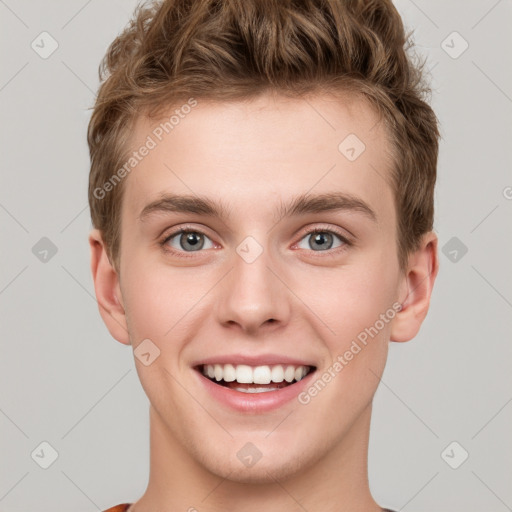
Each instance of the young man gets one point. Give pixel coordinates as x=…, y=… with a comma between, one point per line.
x=261, y=191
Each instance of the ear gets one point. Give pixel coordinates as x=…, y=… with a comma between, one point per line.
x=107, y=288
x=416, y=289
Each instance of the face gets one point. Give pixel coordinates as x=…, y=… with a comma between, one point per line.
x=258, y=244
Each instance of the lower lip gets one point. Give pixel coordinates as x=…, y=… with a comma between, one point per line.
x=254, y=402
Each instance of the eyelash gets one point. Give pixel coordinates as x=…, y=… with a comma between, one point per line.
x=189, y=229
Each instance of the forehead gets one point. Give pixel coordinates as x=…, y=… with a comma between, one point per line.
x=249, y=153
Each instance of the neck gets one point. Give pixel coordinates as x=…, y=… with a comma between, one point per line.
x=337, y=482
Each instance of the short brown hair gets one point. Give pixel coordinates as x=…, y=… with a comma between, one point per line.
x=232, y=49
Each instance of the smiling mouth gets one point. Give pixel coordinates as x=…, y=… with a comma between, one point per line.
x=254, y=379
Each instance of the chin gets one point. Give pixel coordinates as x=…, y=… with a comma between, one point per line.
x=268, y=469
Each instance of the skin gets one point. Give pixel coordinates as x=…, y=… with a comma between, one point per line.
x=253, y=156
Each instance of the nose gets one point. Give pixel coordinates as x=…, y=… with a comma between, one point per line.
x=253, y=296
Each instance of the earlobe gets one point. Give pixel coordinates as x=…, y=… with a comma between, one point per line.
x=107, y=289
x=416, y=289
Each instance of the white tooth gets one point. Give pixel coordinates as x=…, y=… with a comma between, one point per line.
x=229, y=373
x=289, y=374
x=244, y=374
x=261, y=375
x=218, y=372
x=300, y=372
x=277, y=373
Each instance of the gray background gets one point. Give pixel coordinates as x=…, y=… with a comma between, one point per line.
x=65, y=381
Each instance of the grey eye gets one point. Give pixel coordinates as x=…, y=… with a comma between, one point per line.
x=189, y=241
x=321, y=241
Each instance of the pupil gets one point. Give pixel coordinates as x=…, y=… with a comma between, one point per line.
x=193, y=240
x=323, y=239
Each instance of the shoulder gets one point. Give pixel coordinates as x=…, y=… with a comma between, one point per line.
x=119, y=508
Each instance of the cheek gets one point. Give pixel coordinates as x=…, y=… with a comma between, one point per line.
x=357, y=306
x=159, y=298
x=161, y=304
x=350, y=300
x=360, y=313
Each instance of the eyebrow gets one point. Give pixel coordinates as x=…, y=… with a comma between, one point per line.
x=300, y=205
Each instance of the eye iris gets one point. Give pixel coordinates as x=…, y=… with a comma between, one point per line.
x=323, y=239
x=194, y=240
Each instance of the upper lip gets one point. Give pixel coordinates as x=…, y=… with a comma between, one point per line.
x=253, y=360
